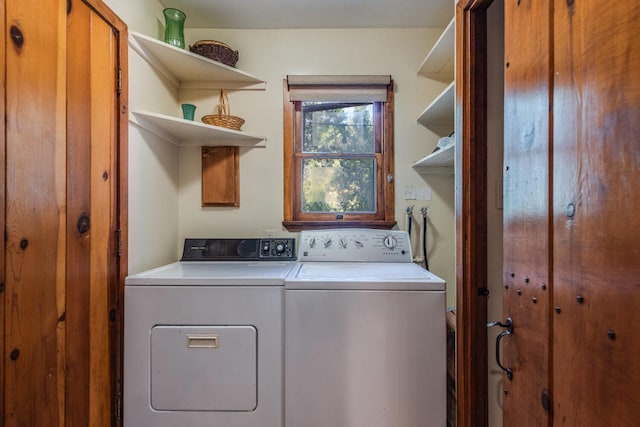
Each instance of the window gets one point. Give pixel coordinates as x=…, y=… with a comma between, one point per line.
x=338, y=152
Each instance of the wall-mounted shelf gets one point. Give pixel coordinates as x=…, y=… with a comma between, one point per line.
x=439, y=116
x=188, y=70
x=187, y=133
x=440, y=61
x=440, y=162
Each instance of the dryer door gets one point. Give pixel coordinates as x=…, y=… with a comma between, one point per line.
x=203, y=368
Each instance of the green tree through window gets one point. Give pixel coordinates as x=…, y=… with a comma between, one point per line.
x=338, y=152
x=342, y=182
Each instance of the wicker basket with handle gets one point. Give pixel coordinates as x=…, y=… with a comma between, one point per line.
x=224, y=117
x=216, y=50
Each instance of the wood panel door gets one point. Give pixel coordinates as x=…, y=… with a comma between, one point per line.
x=571, y=229
x=65, y=195
x=526, y=246
x=596, y=225
x=35, y=194
x=96, y=197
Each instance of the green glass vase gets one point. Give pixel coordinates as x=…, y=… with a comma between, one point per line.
x=174, y=27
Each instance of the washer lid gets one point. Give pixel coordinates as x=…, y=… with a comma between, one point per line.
x=362, y=276
x=214, y=273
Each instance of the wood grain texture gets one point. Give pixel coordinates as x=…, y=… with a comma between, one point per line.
x=220, y=176
x=64, y=142
x=526, y=276
x=288, y=169
x=387, y=196
x=471, y=213
x=104, y=187
x=119, y=269
x=3, y=301
x=78, y=213
x=596, y=174
x=35, y=194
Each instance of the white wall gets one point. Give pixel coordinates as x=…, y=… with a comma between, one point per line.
x=164, y=187
x=140, y=15
x=153, y=163
x=271, y=55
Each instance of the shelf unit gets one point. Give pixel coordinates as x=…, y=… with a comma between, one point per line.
x=439, y=115
x=437, y=163
x=187, y=133
x=439, y=62
x=187, y=70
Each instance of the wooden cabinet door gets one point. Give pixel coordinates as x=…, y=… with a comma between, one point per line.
x=65, y=195
x=596, y=220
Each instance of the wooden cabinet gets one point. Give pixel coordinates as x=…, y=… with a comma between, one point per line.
x=220, y=176
x=438, y=116
x=64, y=160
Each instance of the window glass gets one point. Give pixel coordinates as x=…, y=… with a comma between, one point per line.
x=330, y=127
x=338, y=185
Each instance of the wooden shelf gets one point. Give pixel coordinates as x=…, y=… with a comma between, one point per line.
x=439, y=116
x=188, y=70
x=440, y=162
x=439, y=62
x=187, y=133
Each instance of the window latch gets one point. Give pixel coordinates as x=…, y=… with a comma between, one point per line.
x=389, y=178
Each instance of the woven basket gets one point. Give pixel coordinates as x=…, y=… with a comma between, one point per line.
x=224, y=118
x=216, y=50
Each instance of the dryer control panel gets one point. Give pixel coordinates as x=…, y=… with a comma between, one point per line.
x=267, y=249
x=355, y=244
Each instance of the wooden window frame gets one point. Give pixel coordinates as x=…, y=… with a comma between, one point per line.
x=294, y=218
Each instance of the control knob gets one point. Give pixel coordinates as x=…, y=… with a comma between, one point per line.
x=390, y=242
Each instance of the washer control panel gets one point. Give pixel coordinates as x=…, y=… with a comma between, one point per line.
x=354, y=244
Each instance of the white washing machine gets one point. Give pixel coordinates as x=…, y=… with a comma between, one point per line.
x=364, y=333
x=203, y=336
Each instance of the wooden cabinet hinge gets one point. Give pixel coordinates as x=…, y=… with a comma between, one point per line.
x=119, y=81
x=118, y=242
x=117, y=406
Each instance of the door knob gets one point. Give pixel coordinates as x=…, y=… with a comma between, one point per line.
x=508, y=325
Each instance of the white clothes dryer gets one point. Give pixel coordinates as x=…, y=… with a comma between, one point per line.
x=365, y=335
x=203, y=336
